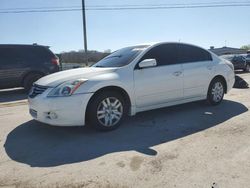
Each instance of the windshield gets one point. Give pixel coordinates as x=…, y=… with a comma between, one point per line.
x=121, y=57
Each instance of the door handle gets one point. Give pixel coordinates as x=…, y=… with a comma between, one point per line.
x=209, y=67
x=177, y=73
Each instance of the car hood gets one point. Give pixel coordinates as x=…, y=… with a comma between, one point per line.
x=55, y=79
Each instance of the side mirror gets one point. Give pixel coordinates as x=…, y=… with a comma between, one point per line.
x=147, y=63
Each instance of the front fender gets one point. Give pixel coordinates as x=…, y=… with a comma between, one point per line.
x=110, y=80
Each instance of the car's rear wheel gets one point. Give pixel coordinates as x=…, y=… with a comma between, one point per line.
x=247, y=68
x=106, y=111
x=29, y=80
x=216, y=91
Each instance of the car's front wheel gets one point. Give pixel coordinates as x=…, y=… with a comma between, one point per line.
x=216, y=91
x=106, y=111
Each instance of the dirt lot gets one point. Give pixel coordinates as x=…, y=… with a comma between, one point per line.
x=191, y=145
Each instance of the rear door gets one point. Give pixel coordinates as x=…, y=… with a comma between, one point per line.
x=10, y=67
x=28, y=60
x=198, y=68
x=160, y=84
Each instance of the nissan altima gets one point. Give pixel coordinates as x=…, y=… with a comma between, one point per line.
x=128, y=81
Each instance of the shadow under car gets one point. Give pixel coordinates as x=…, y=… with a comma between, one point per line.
x=40, y=145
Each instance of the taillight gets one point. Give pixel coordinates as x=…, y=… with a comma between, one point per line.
x=228, y=63
x=55, y=61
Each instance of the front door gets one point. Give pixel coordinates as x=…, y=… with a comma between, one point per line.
x=162, y=83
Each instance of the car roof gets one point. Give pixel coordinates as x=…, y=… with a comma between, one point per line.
x=169, y=42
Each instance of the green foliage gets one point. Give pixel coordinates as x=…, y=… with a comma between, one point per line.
x=80, y=56
x=246, y=47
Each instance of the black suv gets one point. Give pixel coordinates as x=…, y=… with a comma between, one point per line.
x=248, y=58
x=239, y=62
x=21, y=65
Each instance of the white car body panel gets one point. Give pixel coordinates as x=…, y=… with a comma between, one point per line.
x=55, y=79
x=151, y=88
x=195, y=83
x=147, y=88
x=63, y=107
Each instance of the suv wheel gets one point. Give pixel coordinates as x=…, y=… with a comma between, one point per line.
x=247, y=68
x=106, y=111
x=29, y=80
x=216, y=92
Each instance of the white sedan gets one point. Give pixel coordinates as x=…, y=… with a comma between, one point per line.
x=128, y=81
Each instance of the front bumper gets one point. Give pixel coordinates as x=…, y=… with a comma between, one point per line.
x=60, y=111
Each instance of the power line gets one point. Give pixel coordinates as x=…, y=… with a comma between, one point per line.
x=183, y=6
x=170, y=4
x=171, y=7
x=34, y=8
x=40, y=11
x=128, y=5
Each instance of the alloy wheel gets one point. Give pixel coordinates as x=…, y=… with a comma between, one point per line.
x=217, y=91
x=109, y=111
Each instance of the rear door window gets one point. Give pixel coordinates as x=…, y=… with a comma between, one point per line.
x=8, y=55
x=35, y=53
x=42, y=52
x=188, y=53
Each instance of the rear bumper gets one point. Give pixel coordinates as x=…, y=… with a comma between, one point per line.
x=230, y=81
x=60, y=111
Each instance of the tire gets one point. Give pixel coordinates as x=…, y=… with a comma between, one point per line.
x=216, y=91
x=247, y=68
x=106, y=111
x=29, y=80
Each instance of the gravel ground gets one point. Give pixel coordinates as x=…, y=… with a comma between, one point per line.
x=190, y=145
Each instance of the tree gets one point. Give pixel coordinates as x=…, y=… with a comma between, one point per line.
x=246, y=47
x=108, y=51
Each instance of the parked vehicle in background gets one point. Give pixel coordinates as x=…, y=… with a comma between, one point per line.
x=128, y=81
x=21, y=65
x=239, y=62
x=248, y=58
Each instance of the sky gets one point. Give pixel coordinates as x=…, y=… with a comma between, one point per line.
x=63, y=31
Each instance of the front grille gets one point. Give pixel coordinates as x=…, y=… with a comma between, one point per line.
x=37, y=90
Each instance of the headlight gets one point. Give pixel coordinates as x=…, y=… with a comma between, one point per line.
x=66, y=89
